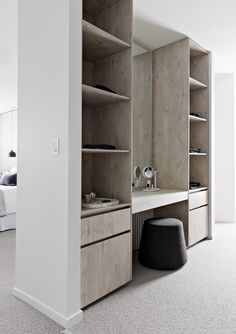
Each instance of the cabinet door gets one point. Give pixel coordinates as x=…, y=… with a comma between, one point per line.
x=105, y=266
x=198, y=199
x=104, y=226
x=198, y=225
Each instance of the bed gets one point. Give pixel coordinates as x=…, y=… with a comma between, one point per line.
x=7, y=207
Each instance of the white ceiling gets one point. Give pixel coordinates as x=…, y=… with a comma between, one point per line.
x=211, y=23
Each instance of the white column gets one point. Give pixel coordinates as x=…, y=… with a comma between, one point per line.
x=49, y=107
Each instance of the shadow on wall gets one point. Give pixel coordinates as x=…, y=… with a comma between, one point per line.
x=152, y=36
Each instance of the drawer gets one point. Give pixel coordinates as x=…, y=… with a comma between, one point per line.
x=105, y=266
x=103, y=226
x=198, y=225
x=198, y=199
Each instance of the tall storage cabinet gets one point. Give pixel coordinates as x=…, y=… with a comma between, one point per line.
x=182, y=86
x=106, y=257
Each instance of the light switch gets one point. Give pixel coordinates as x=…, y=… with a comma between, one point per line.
x=55, y=146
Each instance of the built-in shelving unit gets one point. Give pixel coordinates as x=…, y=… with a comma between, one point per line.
x=94, y=97
x=199, y=168
x=181, y=86
x=106, y=119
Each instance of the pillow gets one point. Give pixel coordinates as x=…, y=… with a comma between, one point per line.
x=9, y=180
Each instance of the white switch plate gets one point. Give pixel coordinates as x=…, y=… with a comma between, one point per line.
x=55, y=146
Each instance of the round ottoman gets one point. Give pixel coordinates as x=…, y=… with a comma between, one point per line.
x=162, y=244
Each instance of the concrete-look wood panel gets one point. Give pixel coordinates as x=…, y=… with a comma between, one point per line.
x=198, y=225
x=198, y=199
x=111, y=176
x=116, y=20
x=104, y=226
x=115, y=72
x=170, y=115
x=143, y=201
x=142, y=112
x=200, y=132
x=105, y=266
x=112, y=125
x=93, y=7
x=88, y=68
x=98, y=44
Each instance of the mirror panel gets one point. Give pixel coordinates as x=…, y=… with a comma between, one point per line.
x=142, y=110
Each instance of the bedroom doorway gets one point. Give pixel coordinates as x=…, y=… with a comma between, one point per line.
x=8, y=169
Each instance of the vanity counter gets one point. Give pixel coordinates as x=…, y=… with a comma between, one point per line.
x=143, y=201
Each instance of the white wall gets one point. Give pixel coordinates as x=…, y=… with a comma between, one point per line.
x=8, y=139
x=225, y=167
x=8, y=55
x=48, y=218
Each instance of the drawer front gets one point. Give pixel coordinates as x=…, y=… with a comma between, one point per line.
x=105, y=266
x=198, y=199
x=198, y=225
x=103, y=226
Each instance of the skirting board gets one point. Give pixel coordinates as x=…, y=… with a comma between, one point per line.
x=50, y=313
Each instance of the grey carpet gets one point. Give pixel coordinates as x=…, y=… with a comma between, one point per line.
x=199, y=298
x=17, y=317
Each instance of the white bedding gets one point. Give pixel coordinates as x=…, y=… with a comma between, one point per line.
x=10, y=198
x=8, y=222
x=8, y=208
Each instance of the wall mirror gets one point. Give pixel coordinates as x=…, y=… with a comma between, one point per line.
x=142, y=110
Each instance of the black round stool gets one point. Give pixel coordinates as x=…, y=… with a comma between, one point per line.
x=162, y=244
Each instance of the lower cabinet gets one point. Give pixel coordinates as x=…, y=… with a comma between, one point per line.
x=105, y=266
x=198, y=225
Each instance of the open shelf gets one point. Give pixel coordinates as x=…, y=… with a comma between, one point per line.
x=195, y=84
x=198, y=154
x=191, y=191
x=194, y=119
x=93, y=212
x=99, y=44
x=196, y=50
x=96, y=151
x=94, y=97
x=94, y=7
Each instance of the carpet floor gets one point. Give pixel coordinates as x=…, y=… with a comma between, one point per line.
x=17, y=317
x=200, y=298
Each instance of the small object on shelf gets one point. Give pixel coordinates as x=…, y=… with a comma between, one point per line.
x=100, y=146
x=155, y=179
x=194, y=185
x=195, y=150
x=90, y=198
x=149, y=173
x=137, y=173
x=107, y=89
x=101, y=203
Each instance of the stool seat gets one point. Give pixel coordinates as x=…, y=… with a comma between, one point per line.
x=162, y=244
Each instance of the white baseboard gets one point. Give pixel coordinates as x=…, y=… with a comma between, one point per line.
x=50, y=313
